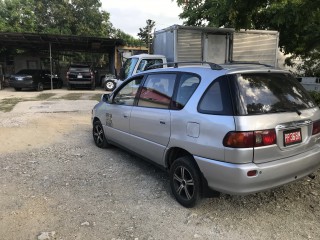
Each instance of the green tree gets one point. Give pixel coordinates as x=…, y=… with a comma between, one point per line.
x=145, y=34
x=75, y=17
x=298, y=21
x=128, y=39
x=17, y=16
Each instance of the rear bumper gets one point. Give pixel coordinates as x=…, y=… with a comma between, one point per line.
x=22, y=84
x=232, y=178
x=81, y=82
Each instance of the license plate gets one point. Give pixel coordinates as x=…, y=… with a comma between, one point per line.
x=292, y=137
x=79, y=76
x=19, y=78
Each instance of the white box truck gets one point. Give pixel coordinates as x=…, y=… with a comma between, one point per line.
x=218, y=45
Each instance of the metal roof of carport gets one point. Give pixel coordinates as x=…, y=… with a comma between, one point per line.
x=39, y=41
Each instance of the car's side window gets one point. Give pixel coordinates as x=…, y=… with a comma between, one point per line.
x=128, y=93
x=157, y=91
x=188, y=83
x=211, y=101
x=216, y=99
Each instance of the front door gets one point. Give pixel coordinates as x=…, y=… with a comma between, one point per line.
x=118, y=113
x=150, y=119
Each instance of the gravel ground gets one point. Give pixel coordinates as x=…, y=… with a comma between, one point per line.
x=67, y=188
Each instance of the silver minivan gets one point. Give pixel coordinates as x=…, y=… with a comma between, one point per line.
x=236, y=129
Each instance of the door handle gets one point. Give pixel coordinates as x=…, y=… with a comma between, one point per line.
x=162, y=122
x=125, y=116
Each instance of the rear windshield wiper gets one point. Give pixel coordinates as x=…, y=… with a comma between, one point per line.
x=293, y=109
x=296, y=110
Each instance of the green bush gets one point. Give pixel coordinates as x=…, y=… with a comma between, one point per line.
x=316, y=96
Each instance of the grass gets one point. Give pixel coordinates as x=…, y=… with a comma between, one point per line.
x=72, y=96
x=78, y=96
x=43, y=96
x=96, y=97
x=7, y=104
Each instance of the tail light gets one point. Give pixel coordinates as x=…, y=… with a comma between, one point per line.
x=265, y=138
x=316, y=127
x=250, y=139
x=68, y=75
x=92, y=75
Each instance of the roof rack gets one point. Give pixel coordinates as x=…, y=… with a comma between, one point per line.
x=248, y=62
x=213, y=66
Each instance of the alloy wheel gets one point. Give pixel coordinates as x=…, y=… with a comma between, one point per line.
x=98, y=134
x=183, y=183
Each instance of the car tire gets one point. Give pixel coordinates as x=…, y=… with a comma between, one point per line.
x=17, y=88
x=0, y=84
x=93, y=86
x=98, y=135
x=40, y=87
x=69, y=86
x=185, y=181
x=109, y=85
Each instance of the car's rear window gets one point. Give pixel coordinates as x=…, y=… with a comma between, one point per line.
x=260, y=93
x=27, y=71
x=79, y=69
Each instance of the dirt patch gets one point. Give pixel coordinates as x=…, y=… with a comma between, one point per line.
x=44, y=130
x=56, y=184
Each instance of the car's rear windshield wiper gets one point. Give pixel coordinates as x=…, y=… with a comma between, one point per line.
x=293, y=109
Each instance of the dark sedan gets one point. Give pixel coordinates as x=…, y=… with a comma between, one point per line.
x=34, y=79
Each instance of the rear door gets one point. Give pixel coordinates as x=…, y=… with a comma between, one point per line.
x=276, y=101
x=150, y=119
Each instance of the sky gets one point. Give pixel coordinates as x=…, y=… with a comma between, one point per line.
x=130, y=15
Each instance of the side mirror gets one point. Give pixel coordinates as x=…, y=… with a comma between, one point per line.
x=105, y=97
x=121, y=74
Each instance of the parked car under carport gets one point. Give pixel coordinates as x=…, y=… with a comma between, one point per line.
x=34, y=79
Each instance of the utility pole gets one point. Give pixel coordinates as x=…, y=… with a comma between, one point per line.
x=148, y=38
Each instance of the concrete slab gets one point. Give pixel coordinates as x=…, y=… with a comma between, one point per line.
x=54, y=106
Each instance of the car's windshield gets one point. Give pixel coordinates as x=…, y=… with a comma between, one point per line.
x=260, y=93
x=129, y=66
x=145, y=64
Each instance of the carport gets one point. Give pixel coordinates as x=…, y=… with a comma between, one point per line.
x=54, y=43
